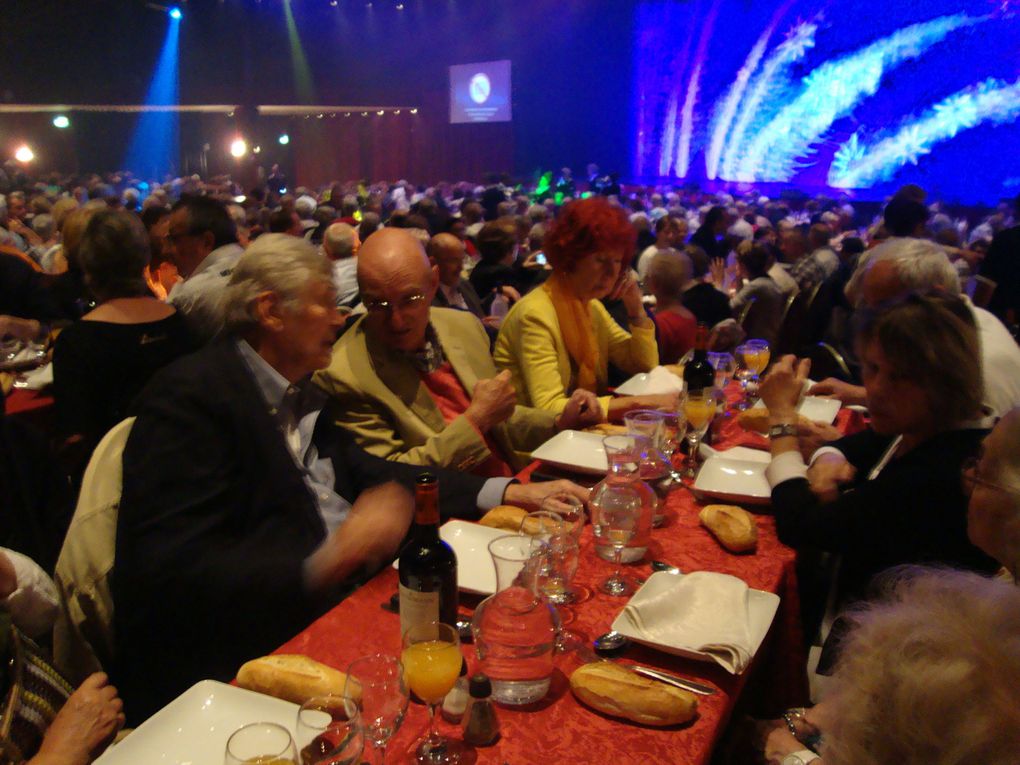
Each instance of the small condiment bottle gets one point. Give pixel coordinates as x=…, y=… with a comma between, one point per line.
x=456, y=700
x=481, y=726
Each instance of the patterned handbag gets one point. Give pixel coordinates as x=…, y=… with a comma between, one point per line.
x=35, y=692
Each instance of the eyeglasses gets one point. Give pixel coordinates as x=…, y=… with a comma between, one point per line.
x=385, y=306
x=971, y=477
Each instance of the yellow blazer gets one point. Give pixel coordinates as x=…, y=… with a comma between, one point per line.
x=531, y=346
x=379, y=397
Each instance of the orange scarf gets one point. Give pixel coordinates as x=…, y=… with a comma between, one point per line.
x=574, y=317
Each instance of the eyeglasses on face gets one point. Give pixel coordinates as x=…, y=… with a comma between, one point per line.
x=385, y=306
x=970, y=477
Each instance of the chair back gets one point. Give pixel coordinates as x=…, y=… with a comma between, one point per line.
x=791, y=330
x=83, y=635
x=826, y=361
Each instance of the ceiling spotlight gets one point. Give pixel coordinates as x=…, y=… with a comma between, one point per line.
x=414, y=111
x=256, y=150
x=380, y=112
x=284, y=139
x=347, y=114
x=334, y=3
x=60, y=121
x=238, y=148
x=24, y=154
x=400, y=6
x=364, y=114
x=175, y=13
x=332, y=115
x=396, y=111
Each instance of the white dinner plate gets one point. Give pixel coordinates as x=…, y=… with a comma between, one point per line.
x=761, y=610
x=470, y=541
x=193, y=728
x=659, y=380
x=816, y=408
x=738, y=480
x=574, y=450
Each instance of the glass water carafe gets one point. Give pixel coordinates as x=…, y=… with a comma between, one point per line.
x=515, y=629
x=623, y=455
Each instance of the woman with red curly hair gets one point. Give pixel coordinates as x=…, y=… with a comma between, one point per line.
x=560, y=338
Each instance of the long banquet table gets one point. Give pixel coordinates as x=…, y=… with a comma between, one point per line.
x=560, y=728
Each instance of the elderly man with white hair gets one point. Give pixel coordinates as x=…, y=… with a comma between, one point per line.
x=918, y=265
x=245, y=511
x=340, y=244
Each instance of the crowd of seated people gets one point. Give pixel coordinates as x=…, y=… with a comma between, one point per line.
x=328, y=343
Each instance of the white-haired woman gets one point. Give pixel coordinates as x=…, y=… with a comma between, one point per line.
x=930, y=675
x=993, y=481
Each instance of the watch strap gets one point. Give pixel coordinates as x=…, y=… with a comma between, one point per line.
x=781, y=431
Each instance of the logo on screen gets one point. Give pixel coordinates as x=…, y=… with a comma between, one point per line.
x=480, y=88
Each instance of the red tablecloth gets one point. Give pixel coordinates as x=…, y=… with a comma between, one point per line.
x=560, y=728
x=22, y=400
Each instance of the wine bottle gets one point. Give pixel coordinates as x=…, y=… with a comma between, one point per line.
x=698, y=372
x=428, y=565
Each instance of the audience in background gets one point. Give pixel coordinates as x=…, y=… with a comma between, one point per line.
x=668, y=275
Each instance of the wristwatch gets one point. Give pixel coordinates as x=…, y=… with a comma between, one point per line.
x=781, y=431
x=803, y=757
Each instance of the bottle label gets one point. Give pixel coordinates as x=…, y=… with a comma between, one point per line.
x=417, y=608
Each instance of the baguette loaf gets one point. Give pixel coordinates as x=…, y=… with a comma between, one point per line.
x=292, y=677
x=615, y=690
x=506, y=517
x=734, y=527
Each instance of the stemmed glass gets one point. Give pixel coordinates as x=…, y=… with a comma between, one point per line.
x=262, y=743
x=558, y=566
x=431, y=658
x=754, y=357
x=384, y=696
x=725, y=366
x=615, y=521
x=329, y=731
x=570, y=510
x=699, y=406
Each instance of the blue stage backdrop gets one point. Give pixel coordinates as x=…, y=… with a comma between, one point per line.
x=837, y=95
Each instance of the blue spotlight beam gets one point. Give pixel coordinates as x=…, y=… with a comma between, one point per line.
x=155, y=145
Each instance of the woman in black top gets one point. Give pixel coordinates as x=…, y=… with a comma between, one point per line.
x=891, y=494
x=102, y=362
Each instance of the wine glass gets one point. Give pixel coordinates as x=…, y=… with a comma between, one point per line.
x=746, y=375
x=431, y=658
x=725, y=366
x=329, y=731
x=557, y=567
x=615, y=520
x=699, y=407
x=384, y=697
x=570, y=510
x=261, y=743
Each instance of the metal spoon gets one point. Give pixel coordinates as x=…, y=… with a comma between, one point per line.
x=610, y=643
x=660, y=565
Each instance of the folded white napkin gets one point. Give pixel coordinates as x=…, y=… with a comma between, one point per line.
x=703, y=611
x=39, y=378
x=659, y=380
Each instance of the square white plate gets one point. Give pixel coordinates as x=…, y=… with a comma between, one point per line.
x=659, y=380
x=739, y=480
x=761, y=609
x=574, y=450
x=470, y=541
x=816, y=408
x=193, y=728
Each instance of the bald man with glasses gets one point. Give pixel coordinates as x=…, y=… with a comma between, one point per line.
x=416, y=383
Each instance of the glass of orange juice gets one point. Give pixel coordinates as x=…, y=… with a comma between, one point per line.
x=431, y=658
x=754, y=356
x=699, y=408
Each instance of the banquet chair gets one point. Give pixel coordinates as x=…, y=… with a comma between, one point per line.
x=83, y=635
x=826, y=361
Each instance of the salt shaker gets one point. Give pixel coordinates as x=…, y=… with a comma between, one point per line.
x=457, y=699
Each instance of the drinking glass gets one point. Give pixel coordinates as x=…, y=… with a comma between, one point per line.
x=560, y=563
x=261, y=743
x=431, y=658
x=615, y=521
x=384, y=696
x=700, y=409
x=329, y=731
x=570, y=510
x=725, y=366
x=644, y=422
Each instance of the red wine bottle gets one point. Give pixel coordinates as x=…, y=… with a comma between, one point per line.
x=698, y=372
x=428, y=565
